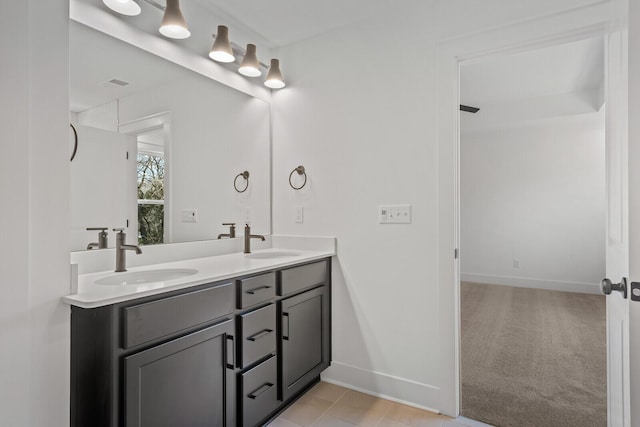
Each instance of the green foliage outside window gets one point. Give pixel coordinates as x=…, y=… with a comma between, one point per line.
x=150, y=187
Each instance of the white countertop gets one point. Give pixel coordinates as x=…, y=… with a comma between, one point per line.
x=210, y=269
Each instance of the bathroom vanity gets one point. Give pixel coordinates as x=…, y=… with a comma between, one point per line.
x=232, y=351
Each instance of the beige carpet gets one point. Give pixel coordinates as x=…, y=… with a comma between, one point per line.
x=533, y=358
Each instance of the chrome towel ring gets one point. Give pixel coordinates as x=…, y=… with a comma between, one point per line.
x=244, y=175
x=301, y=171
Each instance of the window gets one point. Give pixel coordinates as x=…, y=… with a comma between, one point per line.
x=150, y=166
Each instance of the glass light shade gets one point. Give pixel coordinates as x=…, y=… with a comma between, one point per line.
x=221, y=50
x=250, y=65
x=274, y=76
x=125, y=7
x=173, y=23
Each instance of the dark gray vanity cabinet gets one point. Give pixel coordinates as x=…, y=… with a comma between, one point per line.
x=188, y=381
x=224, y=354
x=305, y=318
x=164, y=360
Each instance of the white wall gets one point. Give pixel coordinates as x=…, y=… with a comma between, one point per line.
x=534, y=195
x=361, y=114
x=34, y=187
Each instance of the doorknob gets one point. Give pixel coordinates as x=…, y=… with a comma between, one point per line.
x=608, y=287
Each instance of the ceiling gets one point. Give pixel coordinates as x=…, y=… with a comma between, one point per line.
x=282, y=22
x=557, y=81
x=95, y=58
x=566, y=68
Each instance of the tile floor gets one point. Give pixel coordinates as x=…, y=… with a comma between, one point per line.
x=329, y=405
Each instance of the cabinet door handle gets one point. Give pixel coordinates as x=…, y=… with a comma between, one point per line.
x=231, y=352
x=285, y=326
x=257, y=392
x=258, y=289
x=262, y=333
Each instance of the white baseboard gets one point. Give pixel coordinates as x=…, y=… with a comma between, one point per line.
x=527, y=282
x=396, y=389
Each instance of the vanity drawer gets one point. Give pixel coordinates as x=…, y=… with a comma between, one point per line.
x=258, y=392
x=156, y=319
x=258, y=332
x=299, y=278
x=254, y=290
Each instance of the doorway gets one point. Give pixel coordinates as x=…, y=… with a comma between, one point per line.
x=532, y=237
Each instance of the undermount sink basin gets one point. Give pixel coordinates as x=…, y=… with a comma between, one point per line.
x=149, y=276
x=272, y=255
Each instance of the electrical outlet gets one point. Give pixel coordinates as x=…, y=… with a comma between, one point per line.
x=394, y=214
x=516, y=263
x=189, y=215
x=299, y=214
x=247, y=215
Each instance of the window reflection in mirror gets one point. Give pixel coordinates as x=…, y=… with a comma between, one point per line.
x=150, y=187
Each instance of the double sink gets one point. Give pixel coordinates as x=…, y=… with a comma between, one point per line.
x=165, y=274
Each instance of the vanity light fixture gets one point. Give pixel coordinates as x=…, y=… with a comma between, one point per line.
x=221, y=50
x=173, y=23
x=175, y=26
x=124, y=7
x=250, y=65
x=274, y=77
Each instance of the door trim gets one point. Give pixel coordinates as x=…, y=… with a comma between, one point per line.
x=596, y=20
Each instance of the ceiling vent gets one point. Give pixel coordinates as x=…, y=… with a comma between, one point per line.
x=115, y=83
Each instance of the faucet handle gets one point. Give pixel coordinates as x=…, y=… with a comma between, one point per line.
x=230, y=224
x=97, y=228
x=119, y=230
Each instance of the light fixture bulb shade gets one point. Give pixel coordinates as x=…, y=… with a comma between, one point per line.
x=250, y=65
x=124, y=7
x=173, y=23
x=274, y=76
x=221, y=50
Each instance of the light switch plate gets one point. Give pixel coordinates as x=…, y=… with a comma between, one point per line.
x=299, y=214
x=189, y=215
x=247, y=215
x=394, y=214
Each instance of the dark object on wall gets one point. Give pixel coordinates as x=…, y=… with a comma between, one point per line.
x=75, y=141
x=469, y=109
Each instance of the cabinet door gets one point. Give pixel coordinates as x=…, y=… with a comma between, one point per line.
x=304, y=339
x=185, y=382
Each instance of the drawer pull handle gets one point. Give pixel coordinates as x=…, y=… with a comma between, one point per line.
x=285, y=326
x=262, y=333
x=231, y=353
x=258, y=289
x=257, y=392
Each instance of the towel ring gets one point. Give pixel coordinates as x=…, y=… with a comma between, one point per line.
x=245, y=175
x=75, y=144
x=301, y=171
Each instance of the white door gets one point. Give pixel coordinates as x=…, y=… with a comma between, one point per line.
x=618, y=236
x=98, y=185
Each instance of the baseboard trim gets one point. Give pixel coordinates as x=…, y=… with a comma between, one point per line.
x=396, y=389
x=527, y=282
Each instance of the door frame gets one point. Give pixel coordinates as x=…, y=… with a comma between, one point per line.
x=596, y=20
x=133, y=128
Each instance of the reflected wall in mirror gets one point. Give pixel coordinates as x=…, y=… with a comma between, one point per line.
x=160, y=146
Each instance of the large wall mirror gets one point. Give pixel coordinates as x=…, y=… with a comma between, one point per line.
x=160, y=146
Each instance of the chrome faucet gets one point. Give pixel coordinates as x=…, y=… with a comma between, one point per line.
x=232, y=230
x=102, y=242
x=121, y=247
x=247, y=238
